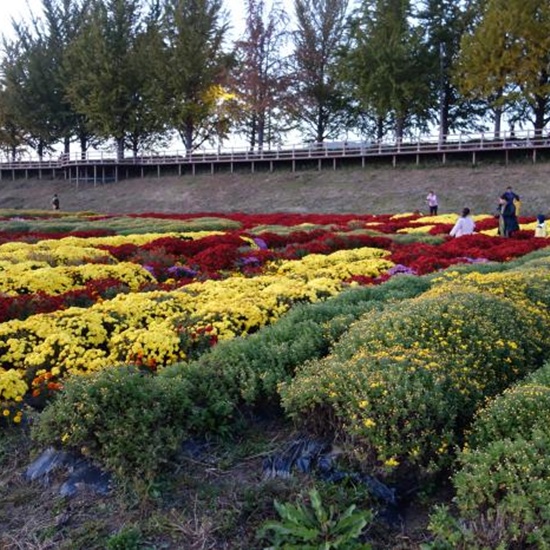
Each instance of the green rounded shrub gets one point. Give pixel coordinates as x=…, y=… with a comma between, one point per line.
x=502, y=497
x=393, y=406
x=516, y=413
x=403, y=385
x=130, y=422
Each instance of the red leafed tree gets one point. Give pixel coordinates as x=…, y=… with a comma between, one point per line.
x=259, y=76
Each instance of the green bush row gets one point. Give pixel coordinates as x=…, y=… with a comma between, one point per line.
x=121, y=225
x=127, y=420
x=133, y=424
x=403, y=385
x=209, y=394
x=503, y=480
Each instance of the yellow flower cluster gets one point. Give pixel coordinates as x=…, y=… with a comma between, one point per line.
x=44, y=254
x=523, y=226
x=416, y=229
x=395, y=383
x=339, y=265
x=12, y=385
x=519, y=285
x=70, y=250
x=402, y=215
x=30, y=277
x=148, y=325
x=425, y=223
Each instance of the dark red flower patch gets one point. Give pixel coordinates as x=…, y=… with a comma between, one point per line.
x=122, y=252
x=25, y=305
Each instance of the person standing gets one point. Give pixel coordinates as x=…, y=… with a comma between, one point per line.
x=431, y=199
x=465, y=225
x=509, y=222
x=55, y=202
x=509, y=195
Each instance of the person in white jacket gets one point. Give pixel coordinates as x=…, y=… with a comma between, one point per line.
x=465, y=225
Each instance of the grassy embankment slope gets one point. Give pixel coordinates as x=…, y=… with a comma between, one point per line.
x=372, y=190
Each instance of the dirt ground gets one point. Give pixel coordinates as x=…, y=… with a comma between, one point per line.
x=369, y=190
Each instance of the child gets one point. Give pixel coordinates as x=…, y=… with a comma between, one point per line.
x=540, y=229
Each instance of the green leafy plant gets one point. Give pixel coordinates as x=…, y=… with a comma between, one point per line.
x=314, y=527
x=403, y=384
x=502, y=497
x=126, y=539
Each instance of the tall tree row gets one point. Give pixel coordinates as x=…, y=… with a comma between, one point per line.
x=389, y=67
x=196, y=68
x=137, y=74
x=320, y=105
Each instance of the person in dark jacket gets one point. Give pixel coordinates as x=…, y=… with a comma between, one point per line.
x=509, y=220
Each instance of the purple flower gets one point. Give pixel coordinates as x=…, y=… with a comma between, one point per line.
x=475, y=260
x=260, y=242
x=179, y=271
x=249, y=260
x=150, y=269
x=400, y=269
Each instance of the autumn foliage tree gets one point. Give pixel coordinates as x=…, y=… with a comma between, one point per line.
x=197, y=65
x=507, y=57
x=259, y=78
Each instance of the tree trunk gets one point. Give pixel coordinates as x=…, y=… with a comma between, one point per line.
x=261, y=131
x=540, y=111
x=399, y=127
x=83, y=145
x=120, y=148
x=498, y=122
x=188, y=136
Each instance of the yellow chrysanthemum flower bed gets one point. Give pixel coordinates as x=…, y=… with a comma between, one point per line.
x=63, y=254
x=71, y=245
x=338, y=265
x=527, y=286
x=413, y=230
x=523, y=227
x=402, y=215
x=29, y=277
x=426, y=223
x=148, y=324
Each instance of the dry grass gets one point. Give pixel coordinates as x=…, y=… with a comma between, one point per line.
x=372, y=190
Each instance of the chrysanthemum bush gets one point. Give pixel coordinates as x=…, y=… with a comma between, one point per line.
x=152, y=326
x=126, y=419
x=250, y=287
x=502, y=480
x=403, y=385
x=27, y=277
x=214, y=390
